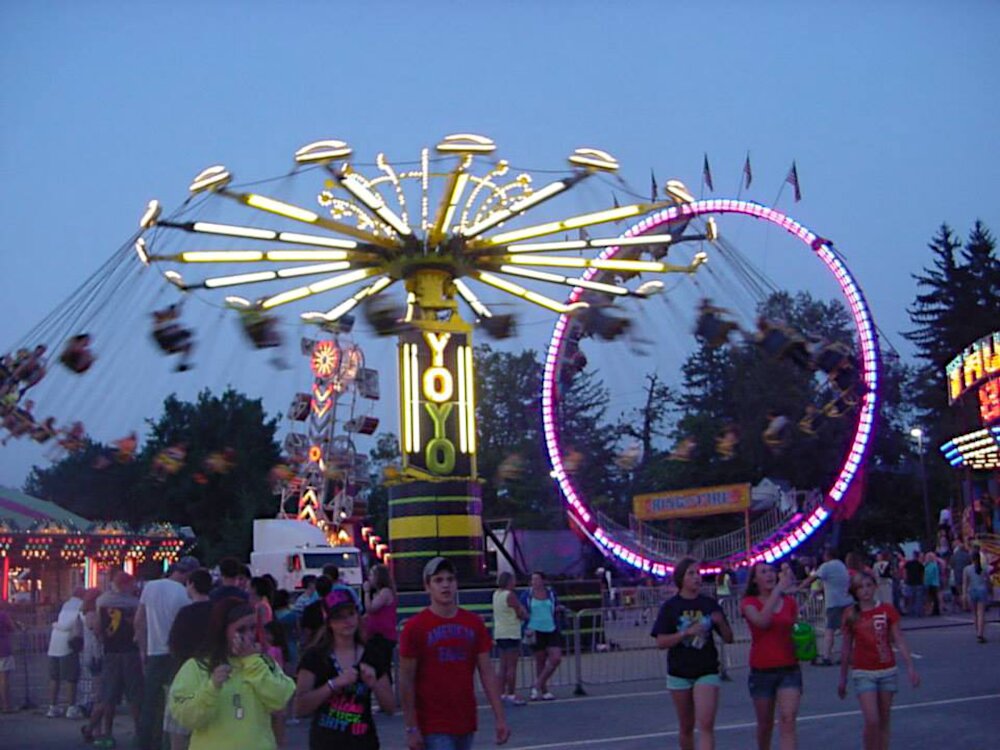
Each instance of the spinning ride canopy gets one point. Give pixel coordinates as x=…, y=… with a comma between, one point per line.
x=440, y=225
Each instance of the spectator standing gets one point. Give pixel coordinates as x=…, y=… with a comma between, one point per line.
x=314, y=615
x=440, y=649
x=231, y=573
x=960, y=559
x=289, y=621
x=976, y=582
x=836, y=580
x=337, y=679
x=686, y=625
x=913, y=586
x=882, y=569
x=542, y=606
x=159, y=604
x=91, y=658
x=932, y=582
x=121, y=673
x=508, y=614
x=775, y=679
x=6, y=658
x=226, y=696
x=261, y=597
x=65, y=644
x=187, y=641
x=379, y=621
x=871, y=629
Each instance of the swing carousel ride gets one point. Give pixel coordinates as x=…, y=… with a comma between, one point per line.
x=334, y=239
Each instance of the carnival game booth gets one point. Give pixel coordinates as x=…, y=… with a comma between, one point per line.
x=46, y=551
x=973, y=381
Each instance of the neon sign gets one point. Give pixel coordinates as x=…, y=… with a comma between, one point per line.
x=438, y=402
x=979, y=362
x=989, y=401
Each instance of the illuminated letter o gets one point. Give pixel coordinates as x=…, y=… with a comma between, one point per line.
x=438, y=384
x=440, y=455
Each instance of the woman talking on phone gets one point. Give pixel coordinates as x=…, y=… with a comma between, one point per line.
x=775, y=678
x=226, y=696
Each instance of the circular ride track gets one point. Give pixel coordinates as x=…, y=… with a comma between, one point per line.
x=776, y=542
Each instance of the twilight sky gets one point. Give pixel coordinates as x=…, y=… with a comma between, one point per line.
x=886, y=108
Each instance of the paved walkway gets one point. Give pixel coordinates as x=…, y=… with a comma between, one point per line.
x=958, y=703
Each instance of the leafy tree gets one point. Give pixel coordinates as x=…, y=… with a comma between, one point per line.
x=218, y=504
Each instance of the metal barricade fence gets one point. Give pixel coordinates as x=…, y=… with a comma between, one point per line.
x=29, y=682
x=613, y=644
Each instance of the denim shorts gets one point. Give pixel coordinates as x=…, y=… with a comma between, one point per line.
x=977, y=595
x=834, y=617
x=765, y=683
x=448, y=741
x=508, y=644
x=686, y=683
x=879, y=681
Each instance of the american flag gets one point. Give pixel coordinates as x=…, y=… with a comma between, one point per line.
x=747, y=173
x=653, y=190
x=793, y=180
x=706, y=174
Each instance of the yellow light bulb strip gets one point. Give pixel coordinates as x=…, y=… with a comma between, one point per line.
x=334, y=282
x=597, y=286
x=541, y=247
x=407, y=377
x=350, y=303
x=355, y=185
x=613, y=264
x=449, y=204
x=519, y=291
x=519, y=207
x=470, y=395
x=297, y=213
x=463, y=424
x=573, y=222
x=414, y=398
x=474, y=302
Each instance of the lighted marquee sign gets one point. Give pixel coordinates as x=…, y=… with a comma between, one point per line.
x=978, y=363
x=979, y=450
x=780, y=544
x=437, y=402
x=703, y=501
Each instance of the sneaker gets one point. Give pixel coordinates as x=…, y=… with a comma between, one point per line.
x=547, y=696
x=54, y=712
x=74, y=712
x=535, y=695
x=515, y=701
x=104, y=742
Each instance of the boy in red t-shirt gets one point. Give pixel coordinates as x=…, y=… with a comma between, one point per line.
x=870, y=629
x=439, y=650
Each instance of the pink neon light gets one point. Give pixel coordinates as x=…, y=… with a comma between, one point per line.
x=779, y=545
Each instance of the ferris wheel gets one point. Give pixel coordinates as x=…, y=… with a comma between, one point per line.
x=849, y=381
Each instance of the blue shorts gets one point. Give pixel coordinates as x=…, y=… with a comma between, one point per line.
x=765, y=683
x=834, y=617
x=448, y=741
x=979, y=596
x=882, y=681
x=508, y=644
x=686, y=683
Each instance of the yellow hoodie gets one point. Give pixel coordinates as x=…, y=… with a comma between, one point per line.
x=237, y=715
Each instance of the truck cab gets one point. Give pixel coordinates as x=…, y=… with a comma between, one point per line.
x=290, y=549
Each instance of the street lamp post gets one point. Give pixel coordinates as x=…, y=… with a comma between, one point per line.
x=918, y=434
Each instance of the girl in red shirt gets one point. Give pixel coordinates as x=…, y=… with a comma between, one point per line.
x=775, y=678
x=870, y=629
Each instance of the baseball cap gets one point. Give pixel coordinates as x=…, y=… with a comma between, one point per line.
x=185, y=564
x=435, y=565
x=337, y=600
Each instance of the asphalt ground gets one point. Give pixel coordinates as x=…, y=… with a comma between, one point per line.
x=958, y=703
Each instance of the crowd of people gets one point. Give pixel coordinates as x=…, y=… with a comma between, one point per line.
x=222, y=661
x=226, y=661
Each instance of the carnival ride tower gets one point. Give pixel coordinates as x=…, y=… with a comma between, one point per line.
x=328, y=488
